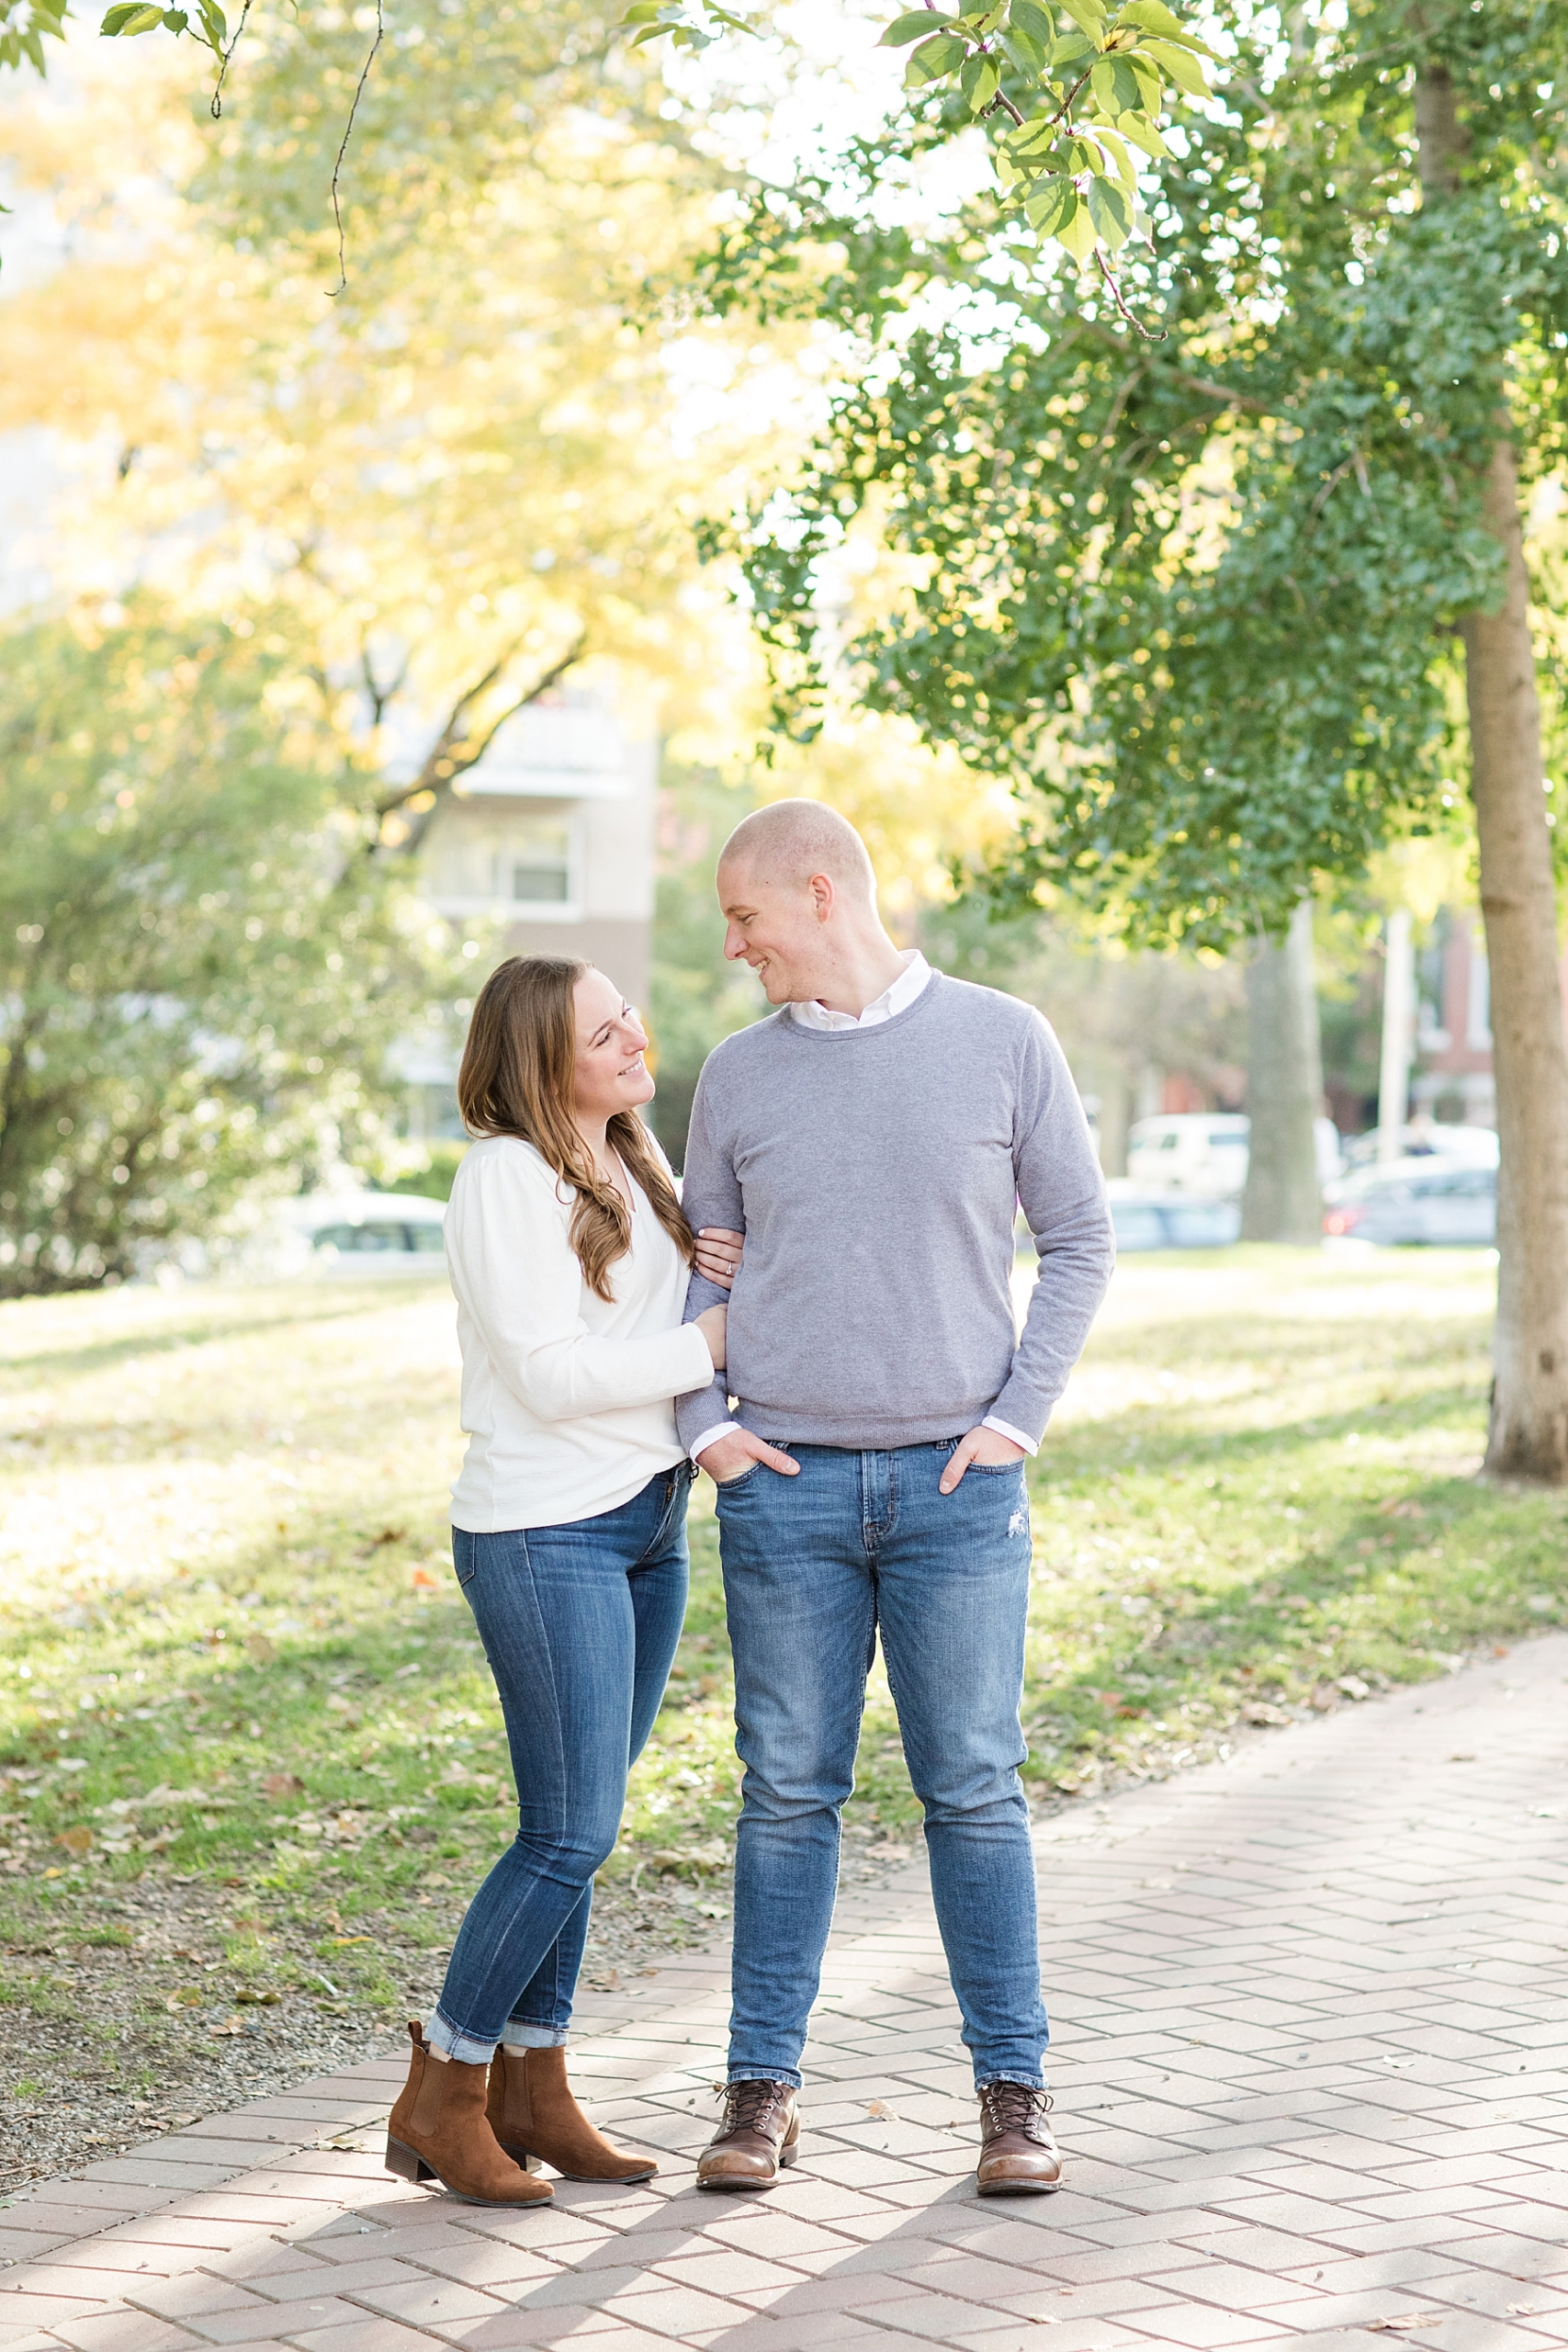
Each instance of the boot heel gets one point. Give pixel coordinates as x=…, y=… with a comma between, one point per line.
x=790, y=2151
x=406, y=2164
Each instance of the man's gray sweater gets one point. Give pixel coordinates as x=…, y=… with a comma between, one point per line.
x=875, y=1173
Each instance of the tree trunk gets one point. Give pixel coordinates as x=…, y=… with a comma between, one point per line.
x=1529, y=1434
x=1284, y=1091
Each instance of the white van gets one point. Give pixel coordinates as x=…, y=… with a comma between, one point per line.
x=1203, y=1151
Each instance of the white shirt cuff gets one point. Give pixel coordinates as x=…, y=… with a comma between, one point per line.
x=1002, y=1429
x=711, y=1437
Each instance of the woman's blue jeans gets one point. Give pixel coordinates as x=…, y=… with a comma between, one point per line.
x=814, y=1566
x=579, y=1624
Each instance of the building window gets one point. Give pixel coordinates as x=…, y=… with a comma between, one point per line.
x=534, y=868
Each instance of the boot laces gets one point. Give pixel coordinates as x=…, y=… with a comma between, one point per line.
x=751, y=2107
x=1014, y=2106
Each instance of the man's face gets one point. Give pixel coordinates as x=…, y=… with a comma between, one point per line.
x=781, y=929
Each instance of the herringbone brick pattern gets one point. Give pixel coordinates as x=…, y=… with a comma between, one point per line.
x=1311, y=2064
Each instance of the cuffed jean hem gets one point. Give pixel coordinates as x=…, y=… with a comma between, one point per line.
x=763, y=2074
x=1025, y=2082
x=442, y=2035
x=518, y=2034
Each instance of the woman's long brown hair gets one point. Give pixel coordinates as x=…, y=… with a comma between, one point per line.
x=518, y=1077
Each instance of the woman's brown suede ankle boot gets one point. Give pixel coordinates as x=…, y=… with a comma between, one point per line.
x=438, y=2131
x=532, y=2113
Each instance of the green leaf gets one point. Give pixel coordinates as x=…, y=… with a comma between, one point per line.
x=1090, y=17
x=1109, y=211
x=1142, y=133
x=1153, y=16
x=1178, y=66
x=1035, y=23
x=1050, y=204
x=935, y=58
x=1119, y=157
x=175, y=20
x=1036, y=138
x=130, y=17
x=980, y=82
x=1150, y=16
x=912, y=25
x=1115, y=84
x=1077, y=233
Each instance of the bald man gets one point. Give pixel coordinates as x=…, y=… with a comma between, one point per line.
x=872, y=1140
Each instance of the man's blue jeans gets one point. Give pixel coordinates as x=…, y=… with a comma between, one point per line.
x=814, y=1566
x=580, y=1623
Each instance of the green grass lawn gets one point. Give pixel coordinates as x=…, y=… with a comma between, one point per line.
x=233, y=1655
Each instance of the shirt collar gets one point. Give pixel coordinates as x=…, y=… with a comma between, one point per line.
x=895, y=998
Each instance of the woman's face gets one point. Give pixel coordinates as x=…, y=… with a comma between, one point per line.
x=611, y=1073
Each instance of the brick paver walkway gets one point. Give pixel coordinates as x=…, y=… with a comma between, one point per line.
x=1311, y=2037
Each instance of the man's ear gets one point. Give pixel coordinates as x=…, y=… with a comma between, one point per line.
x=822, y=895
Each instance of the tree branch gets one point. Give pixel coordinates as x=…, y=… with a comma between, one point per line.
x=452, y=754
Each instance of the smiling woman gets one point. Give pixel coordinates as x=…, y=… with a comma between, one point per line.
x=570, y=1255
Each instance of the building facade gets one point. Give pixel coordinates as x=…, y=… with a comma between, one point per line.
x=550, y=836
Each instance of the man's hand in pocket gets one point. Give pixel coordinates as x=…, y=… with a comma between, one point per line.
x=989, y=1447
x=729, y=1457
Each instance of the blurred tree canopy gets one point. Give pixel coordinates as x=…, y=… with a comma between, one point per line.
x=468, y=469
x=200, y=974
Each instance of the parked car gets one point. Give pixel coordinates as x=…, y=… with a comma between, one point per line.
x=1428, y=1139
x=1207, y=1152
x=1431, y=1201
x=371, y=1233
x=1147, y=1219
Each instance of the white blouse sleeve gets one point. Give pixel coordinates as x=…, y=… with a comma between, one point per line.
x=520, y=1280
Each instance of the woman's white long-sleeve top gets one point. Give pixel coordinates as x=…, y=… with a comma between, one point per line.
x=567, y=1399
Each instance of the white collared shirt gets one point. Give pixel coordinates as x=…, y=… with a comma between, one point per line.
x=895, y=998
x=813, y=1014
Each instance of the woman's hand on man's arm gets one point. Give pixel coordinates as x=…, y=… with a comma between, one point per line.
x=718, y=1257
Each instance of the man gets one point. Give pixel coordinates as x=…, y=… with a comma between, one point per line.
x=873, y=1141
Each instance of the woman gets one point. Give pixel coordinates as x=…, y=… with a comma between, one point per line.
x=570, y=1255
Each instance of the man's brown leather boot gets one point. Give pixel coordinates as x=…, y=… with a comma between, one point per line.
x=438, y=2131
x=1018, y=2156
x=758, y=2132
x=532, y=2113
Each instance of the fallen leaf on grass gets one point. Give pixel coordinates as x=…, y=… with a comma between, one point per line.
x=282, y=1785
x=75, y=1841
x=351, y=1939
x=188, y=1997
x=423, y=1581
x=230, y=2025
x=262, y=1997
x=260, y=1649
